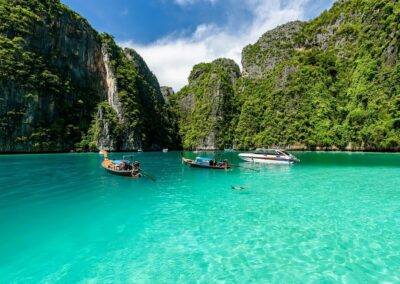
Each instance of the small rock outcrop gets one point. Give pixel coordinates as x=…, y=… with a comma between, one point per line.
x=206, y=105
x=167, y=92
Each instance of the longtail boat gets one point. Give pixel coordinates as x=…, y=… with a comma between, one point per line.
x=121, y=167
x=206, y=163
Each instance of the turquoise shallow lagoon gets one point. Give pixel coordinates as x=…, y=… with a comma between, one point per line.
x=333, y=218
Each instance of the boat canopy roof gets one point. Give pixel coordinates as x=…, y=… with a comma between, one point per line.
x=118, y=162
x=204, y=159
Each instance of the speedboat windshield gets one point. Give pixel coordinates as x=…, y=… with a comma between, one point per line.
x=271, y=152
x=266, y=152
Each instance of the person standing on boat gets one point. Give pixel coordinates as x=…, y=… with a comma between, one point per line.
x=226, y=165
x=136, y=169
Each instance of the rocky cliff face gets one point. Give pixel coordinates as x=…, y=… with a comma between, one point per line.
x=167, y=92
x=206, y=105
x=138, y=116
x=271, y=49
x=51, y=76
x=111, y=84
x=56, y=74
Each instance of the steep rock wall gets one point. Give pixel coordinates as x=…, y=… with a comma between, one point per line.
x=51, y=76
x=138, y=116
x=63, y=86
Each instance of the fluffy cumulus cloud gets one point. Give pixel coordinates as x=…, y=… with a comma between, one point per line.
x=172, y=58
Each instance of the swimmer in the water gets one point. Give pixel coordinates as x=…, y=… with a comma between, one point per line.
x=239, y=187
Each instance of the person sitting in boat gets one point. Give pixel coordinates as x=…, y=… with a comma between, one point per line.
x=136, y=169
x=125, y=166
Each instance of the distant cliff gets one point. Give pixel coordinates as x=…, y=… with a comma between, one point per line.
x=56, y=73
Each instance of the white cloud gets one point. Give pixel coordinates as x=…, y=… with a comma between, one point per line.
x=172, y=58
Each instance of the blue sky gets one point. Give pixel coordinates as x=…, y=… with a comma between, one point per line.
x=173, y=35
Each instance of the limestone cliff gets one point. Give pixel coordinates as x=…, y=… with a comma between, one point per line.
x=138, y=116
x=51, y=76
x=330, y=83
x=56, y=72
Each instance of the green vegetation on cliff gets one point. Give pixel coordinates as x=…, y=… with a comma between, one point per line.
x=331, y=83
x=337, y=86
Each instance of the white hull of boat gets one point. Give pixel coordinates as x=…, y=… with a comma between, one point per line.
x=266, y=159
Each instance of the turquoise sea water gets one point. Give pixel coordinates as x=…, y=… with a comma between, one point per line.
x=335, y=217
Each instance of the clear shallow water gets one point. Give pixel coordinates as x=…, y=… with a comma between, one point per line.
x=333, y=218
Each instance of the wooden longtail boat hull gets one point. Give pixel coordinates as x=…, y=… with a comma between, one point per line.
x=124, y=173
x=191, y=163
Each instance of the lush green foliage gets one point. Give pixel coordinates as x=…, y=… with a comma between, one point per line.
x=331, y=83
x=338, y=88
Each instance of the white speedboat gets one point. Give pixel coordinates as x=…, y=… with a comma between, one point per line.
x=165, y=150
x=269, y=156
